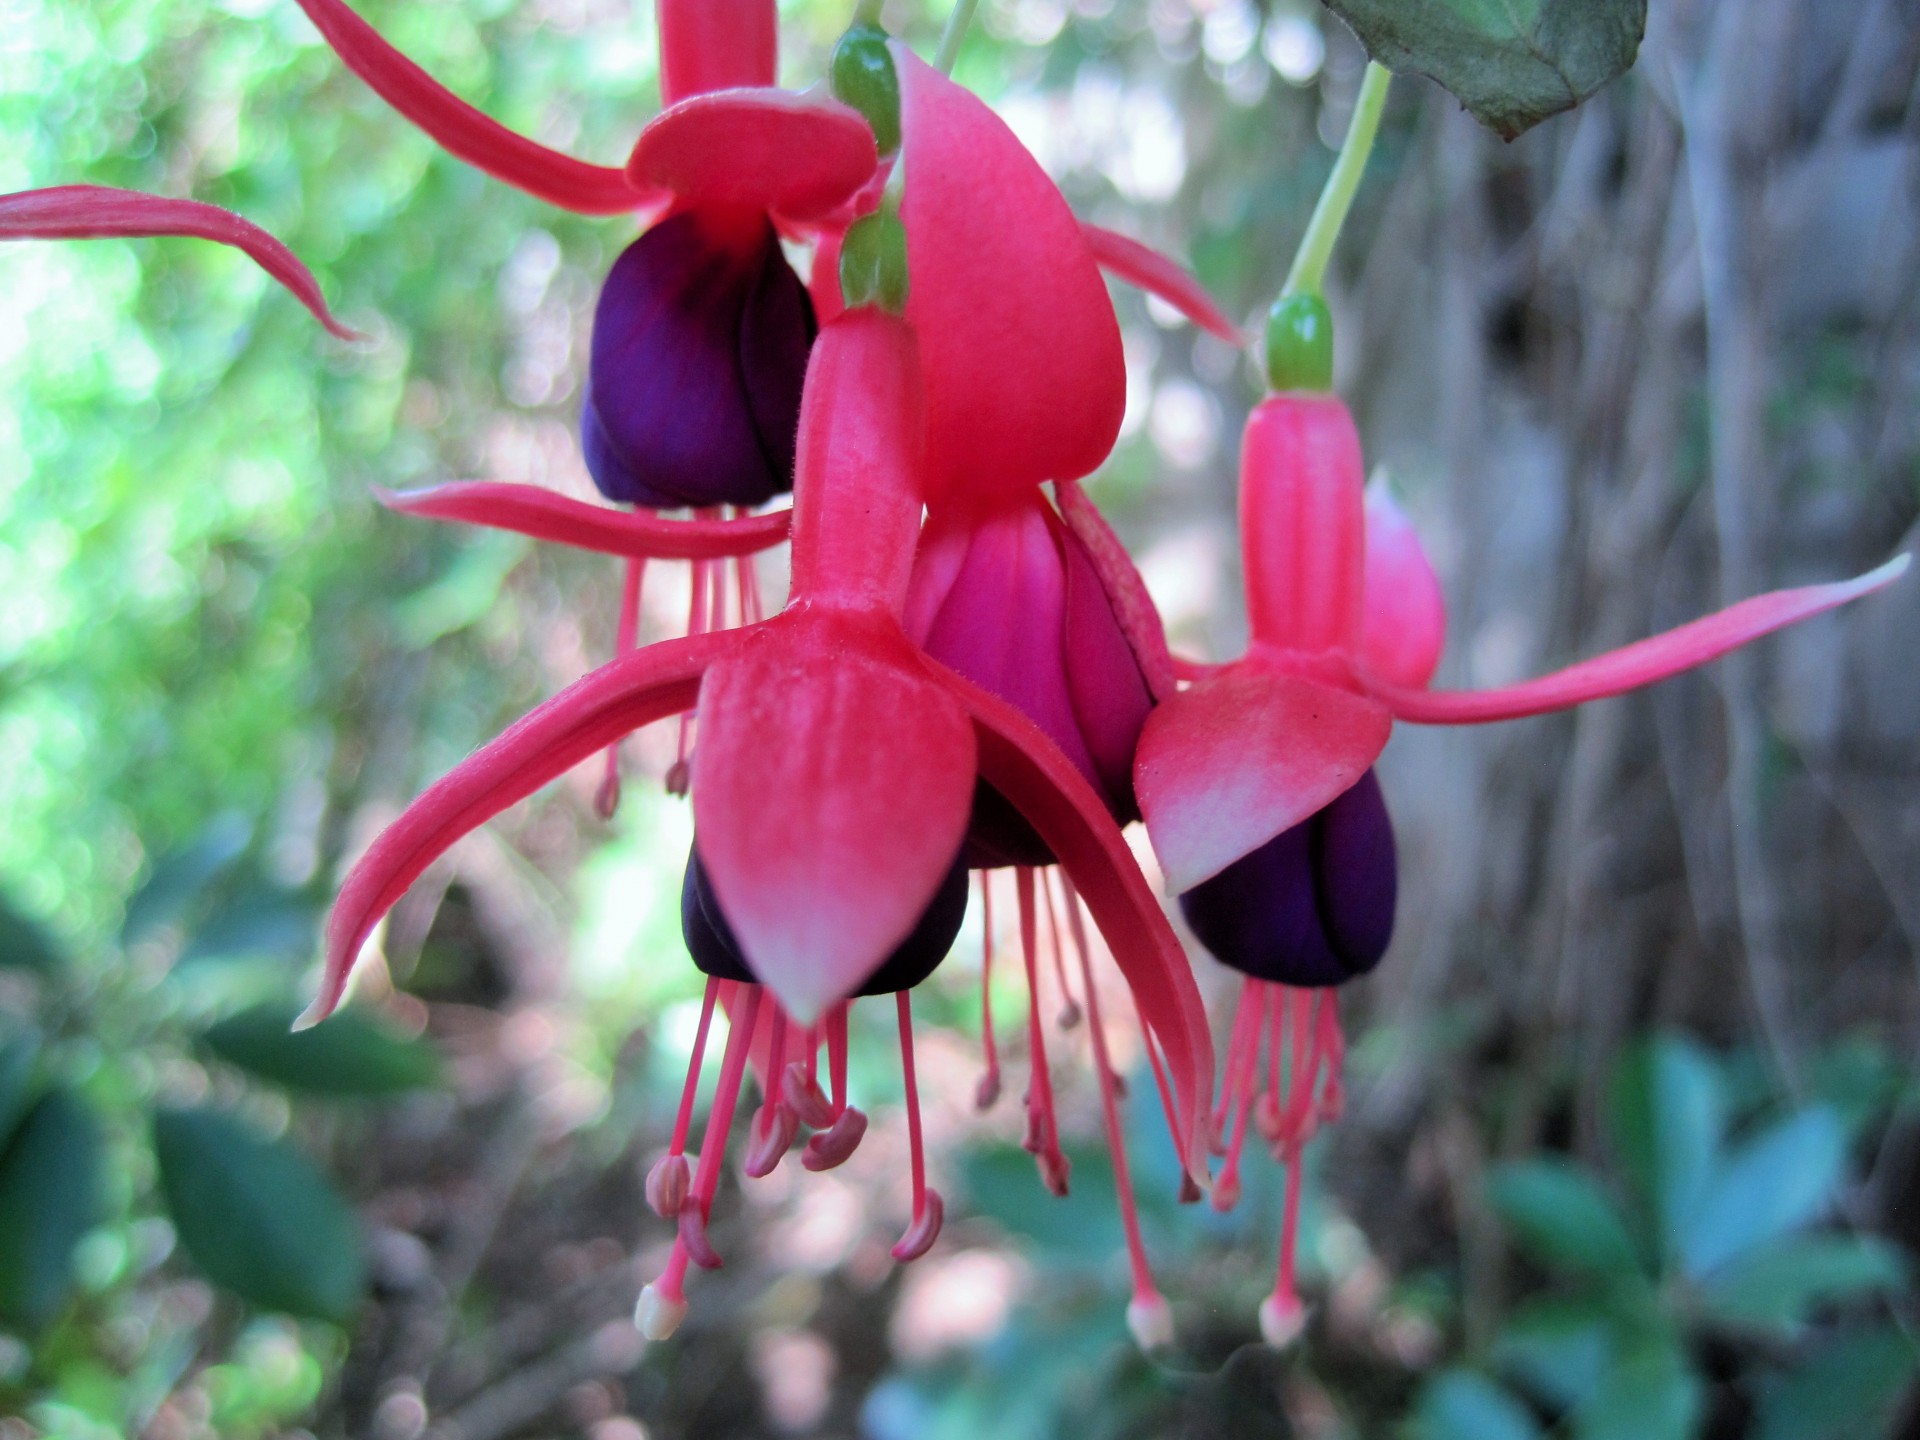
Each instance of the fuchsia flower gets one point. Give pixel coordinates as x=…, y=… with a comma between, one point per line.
x=1257, y=784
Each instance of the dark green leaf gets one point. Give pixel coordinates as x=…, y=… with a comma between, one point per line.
x=1650, y=1392
x=1666, y=1116
x=1775, y=1183
x=1462, y=1405
x=181, y=876
x=1559, y=1215
x=1557, y=1349
x=18, y=1050
x=259, y=924
x=1847, y=1389
x=1512, y=63
x=1772, y=1286
x=25, y=943
x=349, y=1054
x=258, y=1217
x=49, y=1197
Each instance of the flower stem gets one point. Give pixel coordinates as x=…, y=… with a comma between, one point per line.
x=956, y=31
x=1316, y=246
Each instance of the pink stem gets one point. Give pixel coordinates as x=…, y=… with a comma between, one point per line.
x=989, y=1088
x=684, y=1120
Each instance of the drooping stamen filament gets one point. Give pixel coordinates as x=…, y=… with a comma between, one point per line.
x=1243, y=1063
x=1042, y=1139
x=988, y=1090
x=1069, y=1015
x=1245, y=1020
x=667, y=1181
x=606, y=800
x=928, y=1208
x=834, y=1144
x=771, y=1132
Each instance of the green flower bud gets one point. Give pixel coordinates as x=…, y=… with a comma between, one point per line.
x=873, y=262
x=1300, y=343
x=863, y=76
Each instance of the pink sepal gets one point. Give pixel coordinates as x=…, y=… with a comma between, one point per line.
x=544, y=515
x=463, y=131
x=85, y=212
x=766, y=150
x=1017, y=759
x=1147, y=269
x=716, y=45
x=1403, y=622
x=621, y=696
x=1025, y=381
x=1133, y=607
x=1642, y=663
x=1250, y=751
x=831, y=788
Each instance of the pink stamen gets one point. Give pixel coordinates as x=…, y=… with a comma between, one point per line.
x=775, y=1124
x=988, y=1090
x=1243, y=1066
x=837, y=1054
x=606, y=799
x=1042, y=1138
x=1333, y=1059
x=679, y=773
x=1284, y=1304
x=928, y=1208
x=668, y=1180
x=1246, y=1018
x=684, y=1120
x=1069, y=1015
x=840, y=1139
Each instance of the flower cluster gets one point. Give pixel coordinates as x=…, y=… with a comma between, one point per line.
x=967, y=674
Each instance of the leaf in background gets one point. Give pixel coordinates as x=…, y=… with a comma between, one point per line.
x=180, y=876
x=1772, y=1286
x=1649, y=1393
x=1845, y=1390
x=50, y=1175
x=1666, y=1116
x=1557, y=1349
x=1559, y=1215
x=1774, y=1183
x=1462, y=1405
x=18, y=1050
x=25, y=943
x=1001, y=1185
x=1512, y=63
x=350, y=1054
x=257, y=1216
x=261, y=924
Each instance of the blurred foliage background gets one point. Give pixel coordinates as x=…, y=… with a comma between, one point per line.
x=1632, y=1146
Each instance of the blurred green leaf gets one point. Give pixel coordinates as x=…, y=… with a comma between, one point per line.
x=1003, y=1185
x=1512, y=63
x=1556, y=1348
x=1772, y=1286
x=259, y=924
x=258, y=1217
x=350, y=1054
x=18, y=1050
x=1777, y=1182
x=1650, y=1392
x=1666, y=1116
x=180, y=877
x=50, y=1179
x=25, y=943
x=1463, y=1405
x=1845, y=1390
x=1559, y=1215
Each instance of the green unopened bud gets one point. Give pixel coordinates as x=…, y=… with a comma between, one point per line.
x=873, y=262
x=1300, y=343
x=863, y=76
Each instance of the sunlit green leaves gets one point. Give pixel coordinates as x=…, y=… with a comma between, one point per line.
x=258, y=1217
x=50, y=1180
x=25, y=944
x=1512, y=63
x=350, y=1054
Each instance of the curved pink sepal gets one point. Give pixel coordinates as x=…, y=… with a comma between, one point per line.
x=582, y=720
x=1641, y=663
x=543, y=515
x=85, y=212
x=797, y=156
x=1147, y=269
x=1224, y=767
x=831, y=788
x=464, y=131
x=1018, y=760
x=1403, y=623
x=1126, y=592
x=1025, y=381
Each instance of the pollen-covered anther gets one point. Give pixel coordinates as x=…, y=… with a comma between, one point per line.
x=1282, y=1318
x=1268, y=1118
x=770, y=1135
x=1189, y=1190
x=667, y=1185
x=1226, y=1191
x=693, y=1238
x=833, y=1145
x=606, y=795
x=655, y=1315
x=679, y=778
x=1055, y=1171
x=925, y=1228
x=1069, y=1015
x=987, y=1092
x=805, y=1098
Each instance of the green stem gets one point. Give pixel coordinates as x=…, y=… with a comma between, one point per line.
x=867, y=12
x=955, y=32
x=1316, y=246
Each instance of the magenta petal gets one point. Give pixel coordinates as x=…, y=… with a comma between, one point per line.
x=1243, y=755
x=1133, y=607
x=797, y=156
x=1147, y=269
x=85, y=212
x=466, y=133
x=529, y=510
x=831, y=785
x=1403, y=623
x=1641, y=663
x=1018, y=341
x=638, y=688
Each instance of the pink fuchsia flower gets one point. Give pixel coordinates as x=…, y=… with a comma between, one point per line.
x=836, y=766
x=88, y=212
